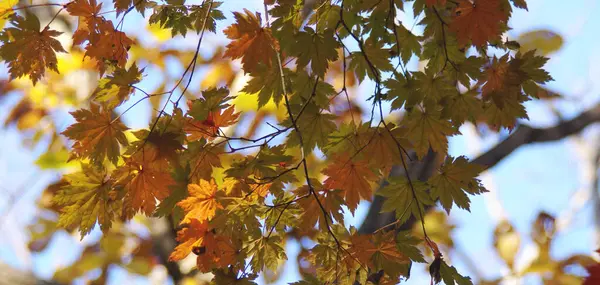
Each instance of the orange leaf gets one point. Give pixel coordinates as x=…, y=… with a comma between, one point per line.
x=215, y=251
x=189, y=237
x=209, y=128
x=312, y=213
x=27, y=50
x=145, y=183
x=105, y=43
x=352, y=177
x=96, y=135
x=251, y=42
x=478, y=21
x=201, y=204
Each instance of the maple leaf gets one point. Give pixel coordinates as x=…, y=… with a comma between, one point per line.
x=266, y=252
x=216, y=251
x=405, y=198
x=203, y=157
x=209, y=128
x=88, y=197
x=478, y=21
x=330, y=199
x=202, y=201
x=145, y=183
x=354, y=178
x=375, y=56
x=251, y=42
x=189, y=237
x=267, y=83
x=426, y=129
x=456, y=178
x=96, y=135
x=105, y=43
x=115, y=88
x=28, y=50
x=314, y=126
x=317, y=48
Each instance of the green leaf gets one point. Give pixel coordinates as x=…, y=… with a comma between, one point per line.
x=402, y=200
x=174, y=17
x=115, y=88
x=267, y=83
x=318, y=48
x=378, y=59
x=456, y=178
x=266, y=253
x=88, y=197
x=426, y=129
x=451, y=276
x=314, y=126
x=407, y=244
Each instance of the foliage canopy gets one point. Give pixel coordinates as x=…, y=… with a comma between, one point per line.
x=235, y=198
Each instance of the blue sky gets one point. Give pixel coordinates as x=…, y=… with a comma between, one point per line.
x=534, y=178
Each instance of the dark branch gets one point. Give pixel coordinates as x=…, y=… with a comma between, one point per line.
x=524, y=135
x=528, y=135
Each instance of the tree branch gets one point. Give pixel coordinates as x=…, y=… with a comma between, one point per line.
x=528, y=135
x=524, y=135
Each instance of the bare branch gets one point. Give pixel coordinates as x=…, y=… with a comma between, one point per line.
x=528, y=135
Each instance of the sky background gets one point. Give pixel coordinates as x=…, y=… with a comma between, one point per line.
x=541, y=177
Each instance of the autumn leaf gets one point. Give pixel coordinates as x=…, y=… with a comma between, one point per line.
x=203, y=157
x=209, y=128
x=479, y=21
x=189, y=237
x=331, y=199
x=251, y=42
x=105, y=43
x=354, y=178
x=88, y=197
x=202, y=201
x=216, y=251
x=27, y=50
x=456, y=178
x=145, y=183
x=96, y=134
x=116, y=88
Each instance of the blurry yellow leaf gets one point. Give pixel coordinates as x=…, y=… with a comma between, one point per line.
x=159, y=33
x=507, y=242
x=543, y=41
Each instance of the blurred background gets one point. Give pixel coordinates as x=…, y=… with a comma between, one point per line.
x=540, y=217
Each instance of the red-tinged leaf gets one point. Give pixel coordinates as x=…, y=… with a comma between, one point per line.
x=27, y=50
x=96, y=134
x=331, y=200
x=201, y=203
x=216, y=251
x=189, y=237
x=354, y=178
x=251, y=42
x=145, y=183
x=594, y=275
x=478, y=21
x=209, y=128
